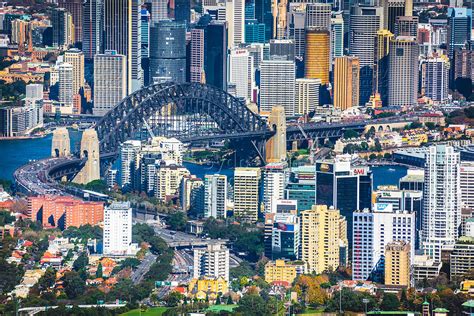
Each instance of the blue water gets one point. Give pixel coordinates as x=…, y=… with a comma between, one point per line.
x=14, y=153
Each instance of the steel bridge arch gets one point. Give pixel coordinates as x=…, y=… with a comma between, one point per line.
x=126, y=118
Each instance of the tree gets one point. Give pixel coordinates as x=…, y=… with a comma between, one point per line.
x=74, y=286
x=252, y=304
x=177, y=221
x=99, y=273
x=97, y=186
x=350, y=133
x=81, y=262
x=390, y=302
x=430, y=125
x=10, y=275
x=242, y=270
x=229, y=300
x=47, y=280
x=173, y=299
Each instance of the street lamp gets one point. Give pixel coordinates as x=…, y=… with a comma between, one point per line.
x=365, y=301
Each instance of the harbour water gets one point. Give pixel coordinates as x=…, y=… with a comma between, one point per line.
x=14, y=153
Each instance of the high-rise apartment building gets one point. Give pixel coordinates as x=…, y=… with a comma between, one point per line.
x=235, y=17
x=344, y=185
x=122, y=31
x=346, y=82
x=117, y=228
x=274, y=177
x=242, y=73
x=277, y=85
x=130, y=163
x=168, y=51
x=398, y=263
x=75, y=8
x=372, y=232
x=307, y=95
x=435, y=78
x=92, y=26
x=75, y=57
x=317, y=55
x=211, y=262
x=247, y=193
x=462, y=258
x=467, y=184
x=215, y=196
x=285, y=240
x=167, y=181
x=191, y=194
x=364, y=23
x=110, y=81
x=441, y=200
x=403, y=72
x=66, y=84
x=323, y=234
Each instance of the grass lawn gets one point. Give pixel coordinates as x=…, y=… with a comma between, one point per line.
x=218, y=308
x=154, y=311
x=311, y=311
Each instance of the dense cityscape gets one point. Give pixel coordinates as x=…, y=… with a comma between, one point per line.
x=236, y=157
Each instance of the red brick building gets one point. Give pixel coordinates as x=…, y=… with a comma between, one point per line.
x=64, y=211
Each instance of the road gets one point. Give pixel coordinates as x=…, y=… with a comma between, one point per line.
x=139, y=273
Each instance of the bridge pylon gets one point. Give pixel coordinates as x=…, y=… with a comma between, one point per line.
x=61, y=145
x=89, y=151
x=276, y=146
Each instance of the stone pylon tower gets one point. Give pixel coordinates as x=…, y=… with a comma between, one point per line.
x=61, y=146
x=276, y=146
x=89, y=151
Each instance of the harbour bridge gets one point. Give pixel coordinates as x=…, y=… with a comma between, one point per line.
x=191, y=112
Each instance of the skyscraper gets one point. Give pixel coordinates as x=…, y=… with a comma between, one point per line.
x=307, y=95
x=168, y=51
x=372, y=232
x=130, y=163
x=365, y=22
x=441, y=200
x=394, y=9
x=344, y=185
x=196, y=72
x=403, y=72
x=273, y=184
x=254, y=31
x=92, y=34
x=435, y=77
x=110, y=81
x=459, y=28
x=235, y=17
x=215, y=57
x=159, y=10
x=75, y=57
x=242, y=73
x=346, y=82
x=406, y=26
x=323, y=232
x=337, y=37
x=75, y=8
x=284, y=49
x=215, y=196
x=317, y=55
x=63, y=28
x=382, y=49
x=318, y=16
x=182, y=11
x=117, y=228
x=263, y=14
x=277, y=85
x=246, y=193
x=122, y=30
x=297, y=29
x=66, y=84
